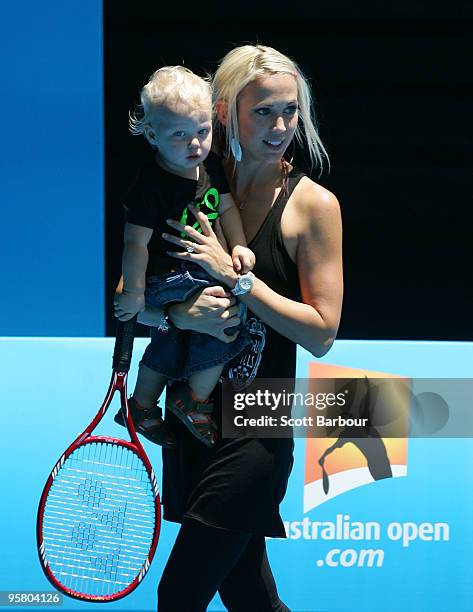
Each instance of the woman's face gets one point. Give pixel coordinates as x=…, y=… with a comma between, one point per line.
x=267, y=117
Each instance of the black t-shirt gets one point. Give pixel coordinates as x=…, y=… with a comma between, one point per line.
x=157, y=195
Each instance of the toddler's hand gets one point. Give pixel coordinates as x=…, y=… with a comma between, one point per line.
x=150, y=316
x=243, y=259
x=127, y=304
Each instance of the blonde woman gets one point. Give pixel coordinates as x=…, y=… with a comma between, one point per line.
x=227, y=498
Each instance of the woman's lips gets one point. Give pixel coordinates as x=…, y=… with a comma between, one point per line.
x=275, y=144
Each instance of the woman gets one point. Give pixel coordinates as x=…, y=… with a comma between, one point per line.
x=228, y=497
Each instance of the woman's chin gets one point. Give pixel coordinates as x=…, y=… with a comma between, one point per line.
x=272, y=154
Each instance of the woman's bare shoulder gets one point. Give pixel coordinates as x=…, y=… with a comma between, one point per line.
x=311, y=215
x=311, y=195
x=313, y=202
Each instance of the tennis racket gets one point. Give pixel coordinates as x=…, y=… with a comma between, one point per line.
x=99, y=515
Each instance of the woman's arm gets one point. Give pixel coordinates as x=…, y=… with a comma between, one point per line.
x=315, y=216
x=314, y=323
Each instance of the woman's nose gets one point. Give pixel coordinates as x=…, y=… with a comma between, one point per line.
x=279, y=125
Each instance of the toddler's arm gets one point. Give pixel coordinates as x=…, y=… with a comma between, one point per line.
x=243, y=258
x=134, y=263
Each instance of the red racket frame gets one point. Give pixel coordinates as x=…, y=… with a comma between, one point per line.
x=121, y=363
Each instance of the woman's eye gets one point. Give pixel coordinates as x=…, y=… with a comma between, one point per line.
x=290, y=110
x=263, y=111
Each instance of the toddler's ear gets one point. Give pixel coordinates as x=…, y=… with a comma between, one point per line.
x=221, y=108
x=150, y=135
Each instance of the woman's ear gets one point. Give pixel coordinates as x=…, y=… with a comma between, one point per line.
x=150, y=135
x=221, y=108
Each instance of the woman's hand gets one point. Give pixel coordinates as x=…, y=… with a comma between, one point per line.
x=204, y=249
x=211, y=311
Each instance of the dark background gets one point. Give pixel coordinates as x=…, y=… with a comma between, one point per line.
x=393, y=87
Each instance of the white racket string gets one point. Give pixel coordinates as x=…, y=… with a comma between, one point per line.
x=99, y=519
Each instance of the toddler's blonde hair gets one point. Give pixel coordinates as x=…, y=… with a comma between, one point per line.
x=171, y=86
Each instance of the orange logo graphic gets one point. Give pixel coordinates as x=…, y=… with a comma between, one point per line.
x=349, y=458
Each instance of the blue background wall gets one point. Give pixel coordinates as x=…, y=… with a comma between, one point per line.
x=51, y=177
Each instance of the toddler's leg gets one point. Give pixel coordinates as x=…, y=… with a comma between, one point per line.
x=147, y=416
x=202, y=383
x=193, y=407
x=149, y=386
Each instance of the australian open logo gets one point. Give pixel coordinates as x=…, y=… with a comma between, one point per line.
x=361, y=441
x=358, y=436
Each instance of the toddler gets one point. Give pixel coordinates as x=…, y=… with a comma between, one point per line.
x=177, y=122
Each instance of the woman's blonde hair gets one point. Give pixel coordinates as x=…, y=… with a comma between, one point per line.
x=169, y=86
x=245, y=64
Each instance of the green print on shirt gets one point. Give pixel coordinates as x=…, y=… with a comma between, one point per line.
x=211, y=200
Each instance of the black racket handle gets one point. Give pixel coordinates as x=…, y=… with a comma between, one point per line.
x=124, y=345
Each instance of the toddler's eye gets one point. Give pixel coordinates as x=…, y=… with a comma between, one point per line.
x=204, y=131
x=290, y=110
x=263, y=111
x=179, y=133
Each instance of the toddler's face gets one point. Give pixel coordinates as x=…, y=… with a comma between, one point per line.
x=183, y=137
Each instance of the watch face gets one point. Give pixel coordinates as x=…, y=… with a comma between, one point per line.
x=245, y=283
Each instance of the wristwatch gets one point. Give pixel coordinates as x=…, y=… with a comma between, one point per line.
x=244, y=284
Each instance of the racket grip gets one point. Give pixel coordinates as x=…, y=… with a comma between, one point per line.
x=124, y=345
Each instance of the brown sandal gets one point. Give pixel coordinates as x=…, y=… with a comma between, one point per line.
x=194, y=415
x=159, y=433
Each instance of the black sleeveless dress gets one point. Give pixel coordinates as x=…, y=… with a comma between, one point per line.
x=240, y=483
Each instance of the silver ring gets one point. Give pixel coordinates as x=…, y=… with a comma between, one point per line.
x=190, y=249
